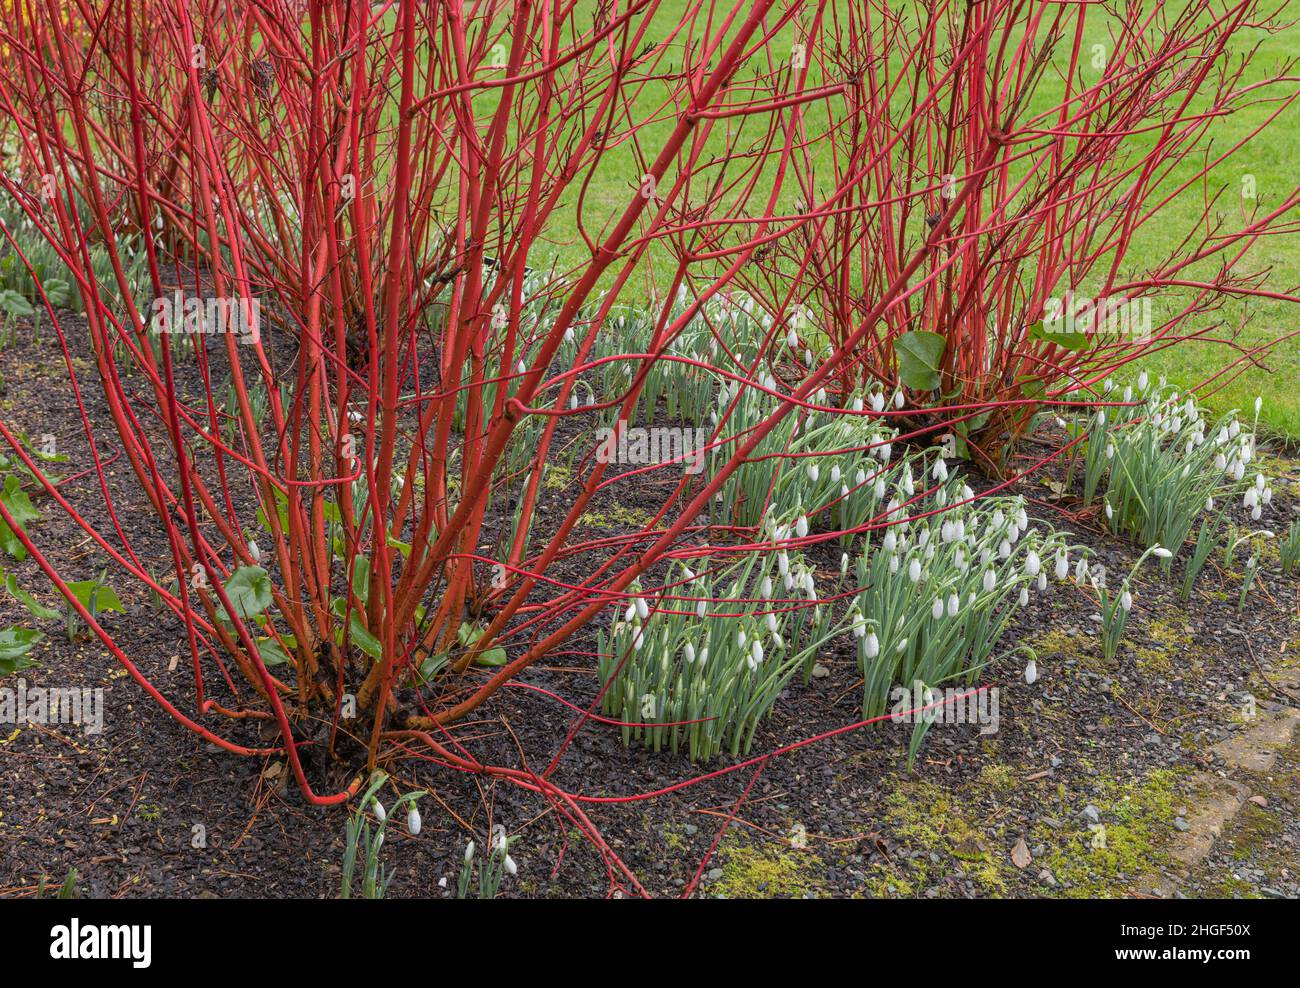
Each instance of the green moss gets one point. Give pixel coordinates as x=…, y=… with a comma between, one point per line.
x=1253, y=830
x=617, y=516
x=997, y=777
x=1137, y=817
x=556, y=478
x=930, y=819
x=1167, y=638
x=1058, y=644
x=752, y=872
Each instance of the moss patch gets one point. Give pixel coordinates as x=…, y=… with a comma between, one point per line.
x=753, y=872
x=1136, y=820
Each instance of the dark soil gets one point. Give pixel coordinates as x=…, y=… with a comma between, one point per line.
x=842, y=817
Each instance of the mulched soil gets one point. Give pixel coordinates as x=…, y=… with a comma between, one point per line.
x=1114, y=746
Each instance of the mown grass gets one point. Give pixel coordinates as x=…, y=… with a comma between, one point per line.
x=1269, y=159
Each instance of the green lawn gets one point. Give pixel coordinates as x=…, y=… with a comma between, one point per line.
x=1271, y=159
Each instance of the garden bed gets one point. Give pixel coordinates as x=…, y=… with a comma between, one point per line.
x=1126, y=746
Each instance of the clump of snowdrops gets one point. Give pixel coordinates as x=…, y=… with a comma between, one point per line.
x=1115, y=607
x=941, y=581
x=1163, y=463
x=700, y=665
x=364, y=841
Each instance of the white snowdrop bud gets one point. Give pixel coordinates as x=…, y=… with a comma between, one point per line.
x=898, y=399
x=844, y=563
x=1260, y=482
x=936, y=609
x=792, y=340
x=857, y=404
x=835, y=473
x=1259, y=404
x=1024, y=596
x=914, y=569
x=765, y=588
x=893, y=565
x=782, y=562
x=756, y=650
x=254, y=552
x=877, y=401
x=413, y=822
x=1042, y=581
x=990, y=581
x=871, y=645
x=771, y=623
x=701, y=608
x=860, y=477
x=512, y=869
x=469, y=852
x=1031, y=672
x=1250, y=499
x=642, y=608
x=1110, y=512
x=940, y=471
x=1256, y=513
x=380, y=813
x=813, y=472
x=1126, y=601
x=886, y=451
x=879, y=489
x=1143, y=380
x=1209, y=504
x=1062, y=565
x=801, y=526
x=1004, y=550
x=1032, y=565
x=741, y=638
x=688, y=653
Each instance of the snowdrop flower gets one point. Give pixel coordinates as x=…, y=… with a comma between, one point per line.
x=877, y=402
x=880, y=488
x=1110, y=512
x=642, y=608
x=792, y=339
x=1004, y=550
x=954, y=604
x=860, y=477
x=857, y=404
x=1031, y=672
x=1143, y=381
x=801, y=526
x=940, y=471
x=1042, y=581
x=413, y=822
x=1260, y=482
x=783, y=562
x=741, y=638
x=886, y=451
x=1024, y=596
x=701, y=608
x=1256, y=513
x=688, y=653
x=1062, y=565
x=844, y=563
x=936, y=609
x=1250, y=499
x=380, y=813
x=871, y=645
x=890, y=541
x=990, y=581
x=898, y=399
x=254, y=552
x=914, y=569
x=1161, y=551
x=756, y=651
x=1259, y=404
x=906, y=483
x=512, y=869
x=835, y=473
x=469, y=852
x=945, y=531
x=1032, y=565
x=1209, y=504
x=1126, y=601
x=771, y=624
x=1081, y=571
x=893, y=564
